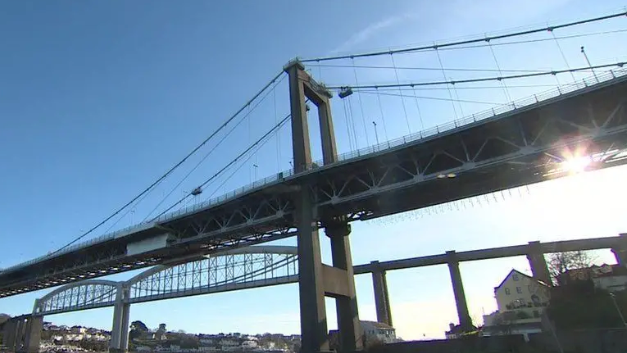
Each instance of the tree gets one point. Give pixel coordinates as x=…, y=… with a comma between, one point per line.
x=137, y=329
x=189, y=342
x=560, y=263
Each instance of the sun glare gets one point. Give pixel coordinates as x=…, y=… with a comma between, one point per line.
x=576, y=164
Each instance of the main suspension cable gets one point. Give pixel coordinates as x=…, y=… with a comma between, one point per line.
x=167, y=173
x=470, y=41
x=276, y=127
x=481, y=79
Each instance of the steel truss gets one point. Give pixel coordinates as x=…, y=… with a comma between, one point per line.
x=528, y=147
x=78, y=296
x=232, y=270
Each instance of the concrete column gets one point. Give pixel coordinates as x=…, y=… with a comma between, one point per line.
x=316, y=279
x=126, y=316
x=300, y=128
x=381, y=297
x=539, y=269
x=620, y=251
x=32, y=337
x=313, y=318
x=10, y=329
x=349, y=327
x=121, y=324
x=19, y=334
x=116, y=328
x=458, y=290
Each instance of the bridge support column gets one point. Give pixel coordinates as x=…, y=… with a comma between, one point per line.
x=539, y=269
x=121, y=318
x=620, y=251
x=465, y=322
x=32, y=334
x=340, y=284
x=316, y=279
x=381, y=295
x=9, y=334
x=19, y=334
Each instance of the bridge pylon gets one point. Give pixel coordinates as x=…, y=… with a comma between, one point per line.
x=317, y=280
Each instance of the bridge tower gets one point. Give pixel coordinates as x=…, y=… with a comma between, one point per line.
x=317, y=280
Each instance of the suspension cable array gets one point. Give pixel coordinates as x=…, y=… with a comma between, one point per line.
x=470, y=41
x=482, y=79
x=174, y=167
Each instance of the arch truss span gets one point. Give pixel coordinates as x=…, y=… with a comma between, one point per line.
x=83, y=295
x=249, y=267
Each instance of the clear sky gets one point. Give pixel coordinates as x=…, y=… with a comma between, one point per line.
x=97, y=99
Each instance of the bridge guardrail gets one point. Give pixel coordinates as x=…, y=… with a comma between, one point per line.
x=508, y=107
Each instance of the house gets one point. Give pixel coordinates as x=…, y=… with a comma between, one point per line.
x=612, y=278
x=205, y=341
x=250, y=344
x=521, y=300
x=523, y=294
x=78, y=330
x=160, y=334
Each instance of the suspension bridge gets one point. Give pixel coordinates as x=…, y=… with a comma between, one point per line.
x=576, y=126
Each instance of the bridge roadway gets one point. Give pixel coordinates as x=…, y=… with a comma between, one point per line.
x=512, y=146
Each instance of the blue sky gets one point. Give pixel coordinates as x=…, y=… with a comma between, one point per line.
x=97, y=99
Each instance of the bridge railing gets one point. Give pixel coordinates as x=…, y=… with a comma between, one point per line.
x=501, y=109
x=439, y=129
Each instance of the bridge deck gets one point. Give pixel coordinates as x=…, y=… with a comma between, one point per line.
x=485, y=154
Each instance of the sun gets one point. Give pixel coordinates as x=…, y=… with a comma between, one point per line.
x=576, y=165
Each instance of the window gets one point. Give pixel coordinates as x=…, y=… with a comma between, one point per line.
x=518, y=290
x=515, y=277
x=506, y=291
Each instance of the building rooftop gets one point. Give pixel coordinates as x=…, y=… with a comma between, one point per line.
x=520, y=274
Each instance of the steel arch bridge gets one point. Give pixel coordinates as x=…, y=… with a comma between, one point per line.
x=242, y=268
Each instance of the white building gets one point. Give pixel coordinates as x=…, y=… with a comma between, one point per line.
x=378, y=331
x=249, y=344
x=521, y=301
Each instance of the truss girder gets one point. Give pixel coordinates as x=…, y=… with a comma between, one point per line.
x=215, y=274
x=79, y=296
x=235, y=270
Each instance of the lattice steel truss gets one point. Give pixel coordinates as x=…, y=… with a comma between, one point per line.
x=246, y=268
x=78, y=296
x=528, y=147
x=233, y=270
